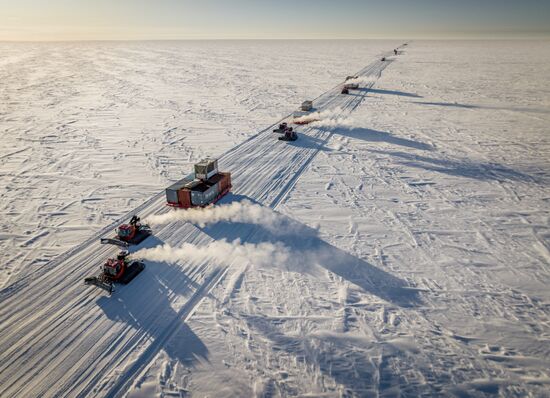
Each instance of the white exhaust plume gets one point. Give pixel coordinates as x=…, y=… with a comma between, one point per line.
x=245, y=212
x=316, y=116
x=328, y=118
x=344, y=123
x=222, y=251
x=362, y=80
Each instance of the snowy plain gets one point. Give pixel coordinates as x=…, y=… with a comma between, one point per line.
x=416, y=222
x=91, y=130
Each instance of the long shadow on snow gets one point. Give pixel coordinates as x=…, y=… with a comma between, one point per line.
x=354, y=370
x=489, y=107
x=389, y=92
x=359, y=133
x=145, y=306
x=309, y=252
x=306, y=141
x=462, y=168
x=364, y=134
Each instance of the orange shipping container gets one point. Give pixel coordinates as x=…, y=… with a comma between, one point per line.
x=225, y=182
x=184, y=198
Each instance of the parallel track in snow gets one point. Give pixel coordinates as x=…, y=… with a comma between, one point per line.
x=62, y=338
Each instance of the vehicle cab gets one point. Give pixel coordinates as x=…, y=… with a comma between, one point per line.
x=126, y=231
x=114, y=267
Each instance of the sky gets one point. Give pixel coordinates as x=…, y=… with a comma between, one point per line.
x=30, y=20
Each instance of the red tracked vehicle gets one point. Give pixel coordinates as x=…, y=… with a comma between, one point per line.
x=116, y=270
x=132, y=233
x=289, y=135
x=281, y=129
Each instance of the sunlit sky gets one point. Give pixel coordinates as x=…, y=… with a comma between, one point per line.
x=277, y=19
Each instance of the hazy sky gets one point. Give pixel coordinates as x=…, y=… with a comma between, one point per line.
x=248, y=19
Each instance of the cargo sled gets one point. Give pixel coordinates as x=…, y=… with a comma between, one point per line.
x=206, y=186
x=351, y=85
x=307, y=106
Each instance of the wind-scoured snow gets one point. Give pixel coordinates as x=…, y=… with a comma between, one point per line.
x=402, y=253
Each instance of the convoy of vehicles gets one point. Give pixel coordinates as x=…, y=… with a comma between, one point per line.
x=205, y=186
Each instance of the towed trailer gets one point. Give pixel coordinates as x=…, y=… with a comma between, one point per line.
x=351, y=83
x=306, y=106
x=205, y=186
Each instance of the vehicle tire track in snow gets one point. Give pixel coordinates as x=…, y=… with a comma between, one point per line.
x=126, y=381
x=55, y=295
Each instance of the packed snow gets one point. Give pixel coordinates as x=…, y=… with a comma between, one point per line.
x=399, y=247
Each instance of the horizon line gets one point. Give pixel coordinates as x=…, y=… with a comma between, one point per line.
x=426, y=38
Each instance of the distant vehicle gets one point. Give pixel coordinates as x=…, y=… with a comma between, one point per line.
x=116, y=270
x=206, y=186
x=290, y=135
x=307, y=106
x=287, y=131
x=281, y=129
x=383, y=59
x=352, y=85
x=132, y=233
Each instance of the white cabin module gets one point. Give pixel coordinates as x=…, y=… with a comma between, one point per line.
x=206, y=168
x=307, y=105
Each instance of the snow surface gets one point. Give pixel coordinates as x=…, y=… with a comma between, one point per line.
x=401, y=246
x=91, y=130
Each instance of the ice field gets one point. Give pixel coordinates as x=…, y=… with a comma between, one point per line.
x=399, y=247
